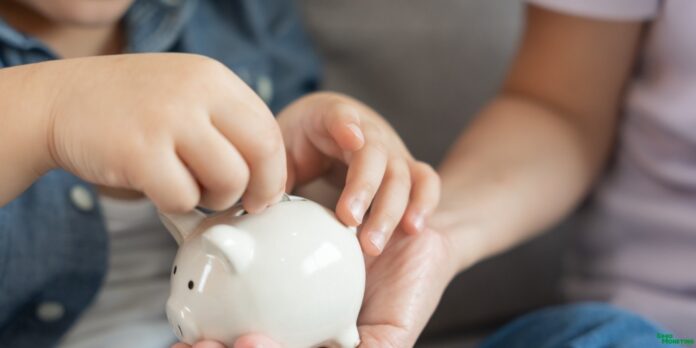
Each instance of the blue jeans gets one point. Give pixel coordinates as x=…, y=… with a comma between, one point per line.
x=580, y=325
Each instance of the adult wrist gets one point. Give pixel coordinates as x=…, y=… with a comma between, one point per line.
x=465, y=238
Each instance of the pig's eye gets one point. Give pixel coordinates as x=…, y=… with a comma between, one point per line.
x=174, y=271
x=190, y=284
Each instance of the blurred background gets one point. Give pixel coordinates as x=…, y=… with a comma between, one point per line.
x=428, y=66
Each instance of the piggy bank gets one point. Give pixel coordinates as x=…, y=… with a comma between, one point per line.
x=292, y=272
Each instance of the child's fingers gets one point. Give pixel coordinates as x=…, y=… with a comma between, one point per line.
x=425, y=195
x=387, y=208
x=260, y=143
x=217, y=165
x=333, y=128
x=364, y=177
x=342, y=123
x=166, y=181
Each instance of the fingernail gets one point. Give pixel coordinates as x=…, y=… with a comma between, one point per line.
x=355, y=129
x=358, y=207
x=419, y=221
x=378, y=238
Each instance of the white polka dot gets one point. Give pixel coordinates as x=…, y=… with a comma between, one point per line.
x=264, y=87
x=50, y=311
x=81, y=198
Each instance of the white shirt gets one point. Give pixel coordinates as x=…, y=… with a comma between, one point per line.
x=129, y=311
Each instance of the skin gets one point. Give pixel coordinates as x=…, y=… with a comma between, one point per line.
x=185, y=131
x=179, y=156
x=527, y=160
x=328, y=133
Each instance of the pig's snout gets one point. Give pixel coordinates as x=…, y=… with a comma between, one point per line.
x=182, y=322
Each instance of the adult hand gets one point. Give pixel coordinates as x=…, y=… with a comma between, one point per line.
x=404, y=285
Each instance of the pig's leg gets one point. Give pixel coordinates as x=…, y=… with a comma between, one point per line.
x=348, y=338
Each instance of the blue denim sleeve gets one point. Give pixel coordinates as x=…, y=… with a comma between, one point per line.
x=262, y=41
x=296, y=68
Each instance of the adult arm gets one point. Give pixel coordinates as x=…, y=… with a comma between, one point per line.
x=534, y=151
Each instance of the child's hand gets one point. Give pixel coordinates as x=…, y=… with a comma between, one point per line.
x=326, y=133
x=182, y=129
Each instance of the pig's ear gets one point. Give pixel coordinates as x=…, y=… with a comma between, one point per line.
x=234, y=246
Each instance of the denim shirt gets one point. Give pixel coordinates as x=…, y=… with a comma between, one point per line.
x=53, y=243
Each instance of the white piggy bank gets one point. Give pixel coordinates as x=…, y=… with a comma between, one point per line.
x=292, y=272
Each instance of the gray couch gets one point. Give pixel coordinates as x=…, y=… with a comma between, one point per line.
x=428, y=66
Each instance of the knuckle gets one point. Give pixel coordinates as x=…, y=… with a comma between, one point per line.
x=227, y=186
x=398, y=173
x=426, y=171
x=369, y=187
x=390, y=217
x=268, y=143
x=379, y=149
x=376, y=134
x=116, y=177
x=201, y=73
x=328, y=97
x=429, y=183
x=403, y=182
x=206, y=66
x=234, y=186
x=398, y=166
x=241, y=178
x=339, y=109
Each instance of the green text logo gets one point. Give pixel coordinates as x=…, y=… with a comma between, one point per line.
x=666, y=338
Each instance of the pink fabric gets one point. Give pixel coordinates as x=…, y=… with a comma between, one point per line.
x=603, y=9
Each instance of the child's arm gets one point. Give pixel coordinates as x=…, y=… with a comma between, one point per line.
x=182, y=129
x=24, y=154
